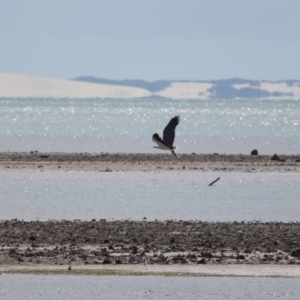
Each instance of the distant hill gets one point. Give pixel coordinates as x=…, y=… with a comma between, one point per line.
x=24, y=85
x=152, y=87
x=226, y=89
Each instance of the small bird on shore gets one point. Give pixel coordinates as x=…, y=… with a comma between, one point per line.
x=166, y=143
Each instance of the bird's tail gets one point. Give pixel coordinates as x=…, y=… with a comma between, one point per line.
x=174, y=153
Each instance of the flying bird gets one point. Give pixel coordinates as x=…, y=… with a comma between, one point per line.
x=168, y=137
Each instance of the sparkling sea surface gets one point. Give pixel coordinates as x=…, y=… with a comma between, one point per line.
x=114, y=125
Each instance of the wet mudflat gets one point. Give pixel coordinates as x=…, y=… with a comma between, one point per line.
x=125, y=242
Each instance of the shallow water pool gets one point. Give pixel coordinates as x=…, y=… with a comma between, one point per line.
x=150, y=195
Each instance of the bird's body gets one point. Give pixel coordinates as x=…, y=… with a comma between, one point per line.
x=166, y=143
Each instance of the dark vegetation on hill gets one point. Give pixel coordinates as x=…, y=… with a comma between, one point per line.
x=153, y=87
x=222, y=88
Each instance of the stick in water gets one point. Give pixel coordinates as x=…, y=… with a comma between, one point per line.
x=214, y=181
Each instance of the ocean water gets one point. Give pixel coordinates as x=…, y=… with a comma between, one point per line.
x=113, y=125
x=145, y=287
x=152, y=195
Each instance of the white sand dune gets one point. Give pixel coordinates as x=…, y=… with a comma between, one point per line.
x=18, y=85
x=187, y=90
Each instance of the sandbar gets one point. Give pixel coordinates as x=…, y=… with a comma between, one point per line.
x=286, y=271
x=131, y=162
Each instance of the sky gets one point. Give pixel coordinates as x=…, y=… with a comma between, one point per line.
x=151, y=39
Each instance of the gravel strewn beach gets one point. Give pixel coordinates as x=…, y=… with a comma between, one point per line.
x=143, y=242
x=102, y=162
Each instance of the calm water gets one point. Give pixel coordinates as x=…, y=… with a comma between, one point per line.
x=97, y=125
x=162, y=196
x=128, y=287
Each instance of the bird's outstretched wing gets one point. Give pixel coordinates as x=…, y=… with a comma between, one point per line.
x=157, y=139
x=169, y=131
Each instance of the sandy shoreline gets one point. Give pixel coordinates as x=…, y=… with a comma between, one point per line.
x=159, y=270
x=114, y=162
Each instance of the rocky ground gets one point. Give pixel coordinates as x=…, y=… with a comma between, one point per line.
x=107, y=162
x=142, y=242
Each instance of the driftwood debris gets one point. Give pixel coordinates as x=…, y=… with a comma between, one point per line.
x=214, y=181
